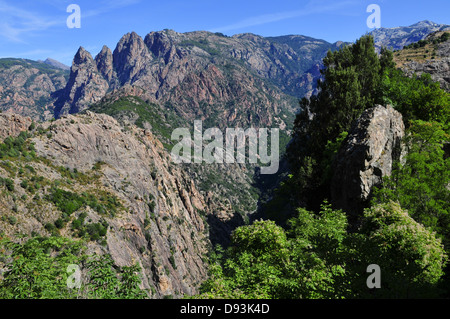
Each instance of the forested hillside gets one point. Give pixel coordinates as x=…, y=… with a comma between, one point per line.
x=317, y=248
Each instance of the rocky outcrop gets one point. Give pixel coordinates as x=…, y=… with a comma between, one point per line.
x=157, y=224
x=86, y=85
x=366, y=156
x=438, y=68
x=439, y=71
x=12, y=124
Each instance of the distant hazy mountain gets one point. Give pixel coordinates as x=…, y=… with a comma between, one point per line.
x=397, y=38
x=57, y=64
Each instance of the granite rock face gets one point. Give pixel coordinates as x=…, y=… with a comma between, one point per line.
x=12, y=124
x=104, y=61
x=366, y=156
x=202, y=74
x=158, y=225
x=438, y=68
x=86, y=85
x=130, y=58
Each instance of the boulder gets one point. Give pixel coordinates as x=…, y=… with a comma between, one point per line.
x=12, y=124
x=365, y=157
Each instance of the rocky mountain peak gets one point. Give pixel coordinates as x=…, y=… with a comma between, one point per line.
x=399, y=37
x=130, y=56
x=130, y=43
x=424, y=24
x=104, y=61
x=105, y=52
x=83, y=57
x=85, y=85
x=159, y=43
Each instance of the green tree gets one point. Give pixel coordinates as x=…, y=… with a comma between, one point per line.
x=352, y=79
x=420, y=182
x=318, y=247
x=265, y=261
x=254, y=267
x=417, y=98
x=410, y=256
x=37, y=268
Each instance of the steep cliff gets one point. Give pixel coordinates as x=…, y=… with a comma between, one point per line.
x=87, y=171
x=366, y=156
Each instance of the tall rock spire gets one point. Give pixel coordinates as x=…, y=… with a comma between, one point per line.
x=85, y=85
x=104, y=62
x=130, y=57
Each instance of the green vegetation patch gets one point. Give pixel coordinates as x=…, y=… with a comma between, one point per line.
x=38, y=268
x=422, y=43
x=202, y=44
x=69, y=202
x=93, y=231
x=17, y=147
x=315, y=257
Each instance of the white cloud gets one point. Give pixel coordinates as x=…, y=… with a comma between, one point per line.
x=106, y=6
x=312, y=7
x=16, y=22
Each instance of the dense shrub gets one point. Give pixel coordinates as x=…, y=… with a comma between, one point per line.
x=37, y=269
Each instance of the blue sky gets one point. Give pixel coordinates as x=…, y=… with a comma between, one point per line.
x=37, y=29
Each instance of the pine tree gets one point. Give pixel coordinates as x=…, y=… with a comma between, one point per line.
x=352, y=79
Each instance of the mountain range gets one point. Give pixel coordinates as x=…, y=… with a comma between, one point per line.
x=196, y=74
x=399, y=37
x=55, y=64
x=99, y=134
